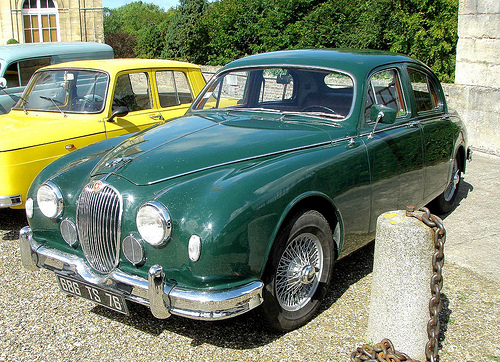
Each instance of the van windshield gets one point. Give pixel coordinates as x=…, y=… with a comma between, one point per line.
x=66, y=91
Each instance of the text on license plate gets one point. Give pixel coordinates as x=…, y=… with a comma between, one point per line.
x=95, y=294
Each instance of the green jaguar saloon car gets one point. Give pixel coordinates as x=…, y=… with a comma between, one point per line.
x=280, y=167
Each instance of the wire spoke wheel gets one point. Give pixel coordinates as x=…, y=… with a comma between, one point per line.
x=451, y=189
x=298, y=271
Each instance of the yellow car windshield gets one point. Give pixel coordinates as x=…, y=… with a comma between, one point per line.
x=72, y=91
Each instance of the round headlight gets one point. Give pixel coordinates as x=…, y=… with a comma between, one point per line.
x=153, y=223
x=49, y=200
x=29, y=208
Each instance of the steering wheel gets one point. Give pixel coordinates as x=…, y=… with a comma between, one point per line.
x=317, y=106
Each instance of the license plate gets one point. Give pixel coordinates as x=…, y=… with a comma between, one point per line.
x=111, y=300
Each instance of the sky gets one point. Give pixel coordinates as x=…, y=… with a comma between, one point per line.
x=165, y=4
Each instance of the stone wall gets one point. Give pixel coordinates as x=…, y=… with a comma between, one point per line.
x=79, y=20
x=476, y=92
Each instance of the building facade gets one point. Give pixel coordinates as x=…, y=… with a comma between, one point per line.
x=33, y=21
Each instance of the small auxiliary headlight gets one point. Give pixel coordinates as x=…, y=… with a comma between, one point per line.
x=133, y=250
x=194, y=247
x=153, y=223
x=29, y=208
x=68, y=232
x=49, y=200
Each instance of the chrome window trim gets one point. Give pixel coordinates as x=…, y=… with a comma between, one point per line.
x=217, y=75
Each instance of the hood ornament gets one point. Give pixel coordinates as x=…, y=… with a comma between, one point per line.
x=115, y=162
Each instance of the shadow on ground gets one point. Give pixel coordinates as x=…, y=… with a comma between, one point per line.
x=11, y=221
x=248, y=330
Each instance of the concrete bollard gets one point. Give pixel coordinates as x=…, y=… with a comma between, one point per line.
x=402, y=270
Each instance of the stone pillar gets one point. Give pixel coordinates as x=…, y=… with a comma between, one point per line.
x=402, y=270
x=477, y=77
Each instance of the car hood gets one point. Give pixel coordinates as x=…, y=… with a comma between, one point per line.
x=197, y=143
x=19, y=130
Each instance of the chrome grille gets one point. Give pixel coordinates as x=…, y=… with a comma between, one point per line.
x=98, y=218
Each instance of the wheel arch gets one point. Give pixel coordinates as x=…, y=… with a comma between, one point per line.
x=310, y=201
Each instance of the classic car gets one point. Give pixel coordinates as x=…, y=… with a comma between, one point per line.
x=70, y=105
x=18, y=62
x=280, y=167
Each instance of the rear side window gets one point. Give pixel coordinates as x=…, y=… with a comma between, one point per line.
x=173, y=88
x=426, y=96
x=385, y=89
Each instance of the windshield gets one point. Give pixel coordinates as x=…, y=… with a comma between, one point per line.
x=285, y=90
x=73, y=91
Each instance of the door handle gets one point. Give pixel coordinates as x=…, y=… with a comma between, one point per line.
x=413, y=124
x=157, y=117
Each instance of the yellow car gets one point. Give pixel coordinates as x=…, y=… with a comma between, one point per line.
x=70, y=105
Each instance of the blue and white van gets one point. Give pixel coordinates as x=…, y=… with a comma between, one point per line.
x=19, y=61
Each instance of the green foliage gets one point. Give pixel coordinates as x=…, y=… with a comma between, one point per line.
x=12, y=41
x=180, y=33
x=427, y=30
x=223, y=30
x=126, y=29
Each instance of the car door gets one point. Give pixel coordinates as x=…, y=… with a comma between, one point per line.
x=438, y=129
x=174, y=91
x=133, y=91
x=394, y=150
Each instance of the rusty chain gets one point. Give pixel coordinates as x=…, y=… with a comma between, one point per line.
x=381, y=352
x=384, y=351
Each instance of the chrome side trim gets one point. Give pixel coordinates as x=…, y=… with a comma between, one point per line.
x=158, y=293
x=300, y=148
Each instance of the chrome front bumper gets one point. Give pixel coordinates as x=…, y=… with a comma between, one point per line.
x=9, y=201
x=160, y=296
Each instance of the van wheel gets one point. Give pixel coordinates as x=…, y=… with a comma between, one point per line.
x=299, y=271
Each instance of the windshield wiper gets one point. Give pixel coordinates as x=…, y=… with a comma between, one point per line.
x=313, y=116
x=252, y=109
x=54, y=102
x=25, y=102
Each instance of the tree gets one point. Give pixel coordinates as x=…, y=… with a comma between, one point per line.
x=180, y=33
x=426, y=30
x=125, y=28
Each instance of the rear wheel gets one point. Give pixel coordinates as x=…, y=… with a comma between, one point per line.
x=447, y=200
x=299, y=271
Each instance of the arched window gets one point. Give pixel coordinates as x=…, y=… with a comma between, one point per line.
x=40, y=20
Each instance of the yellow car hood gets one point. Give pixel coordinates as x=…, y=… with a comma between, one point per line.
x=19, y=130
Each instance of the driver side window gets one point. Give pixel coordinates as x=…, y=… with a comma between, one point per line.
x=132, y=91
x=385, y=89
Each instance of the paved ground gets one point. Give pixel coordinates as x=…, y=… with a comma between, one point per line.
x=39, y=323
x=473, y=229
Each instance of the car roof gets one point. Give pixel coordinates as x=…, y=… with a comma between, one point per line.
x=15, y=52
x=117, y=65
x=351, y=61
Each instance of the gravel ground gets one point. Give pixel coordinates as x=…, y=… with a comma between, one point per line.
x=39, y=323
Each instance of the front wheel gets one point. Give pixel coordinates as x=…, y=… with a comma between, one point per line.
x=299, y=271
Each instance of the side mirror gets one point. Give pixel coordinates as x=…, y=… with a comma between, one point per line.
x=388, y=115
x=119, y=112
x=383, y=114
x=3, y=83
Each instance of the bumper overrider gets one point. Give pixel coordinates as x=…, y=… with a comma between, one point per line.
x=162, y=297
